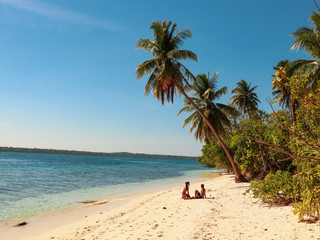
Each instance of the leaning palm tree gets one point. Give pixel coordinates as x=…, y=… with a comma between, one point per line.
x=245, y=98
x=167, y=74
x=205, y=94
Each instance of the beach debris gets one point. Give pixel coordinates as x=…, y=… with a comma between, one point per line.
x=88, y=201
x=164, y=208
x=100, y=203
x=21, y=224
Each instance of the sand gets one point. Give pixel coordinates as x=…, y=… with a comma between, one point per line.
x=164, y=215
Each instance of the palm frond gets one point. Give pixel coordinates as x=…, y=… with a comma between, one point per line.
x=185, y=72
x=186, y=109
x=152, y=81
x=301, y=65
x=178, y=39
x=191, y=118
x=219, y=93
x=158, y=32
x=146, y=67
x=183, y=54
x=148, y=46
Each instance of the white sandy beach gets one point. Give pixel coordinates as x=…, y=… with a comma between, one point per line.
x=164, y=215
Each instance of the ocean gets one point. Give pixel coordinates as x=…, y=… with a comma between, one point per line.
x=33, y=183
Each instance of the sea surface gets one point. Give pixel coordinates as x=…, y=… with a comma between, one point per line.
x=33, y=183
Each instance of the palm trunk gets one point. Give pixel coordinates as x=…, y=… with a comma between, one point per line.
x=249, y=112
x=238, y=176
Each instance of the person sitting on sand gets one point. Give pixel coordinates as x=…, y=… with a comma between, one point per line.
x=185, y=192
x=203, y=192
x=197, y=194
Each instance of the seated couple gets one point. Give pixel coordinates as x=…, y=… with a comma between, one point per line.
x=197, y=194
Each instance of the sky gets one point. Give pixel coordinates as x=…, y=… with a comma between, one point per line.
x=67, y=68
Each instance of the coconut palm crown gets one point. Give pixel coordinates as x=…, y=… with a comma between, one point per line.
x=308, y=39
x=166, y=72
x=205, y=93
x=245, y=98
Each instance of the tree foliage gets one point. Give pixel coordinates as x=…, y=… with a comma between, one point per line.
x=213, y=155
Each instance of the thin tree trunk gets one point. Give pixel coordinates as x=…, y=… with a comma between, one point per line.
x=266, y=166
x=293, y=113
x=238, y=176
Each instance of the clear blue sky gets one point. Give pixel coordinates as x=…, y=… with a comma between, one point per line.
x=67, y=68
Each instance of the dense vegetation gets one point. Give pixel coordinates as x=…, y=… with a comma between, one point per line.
x=278, y=151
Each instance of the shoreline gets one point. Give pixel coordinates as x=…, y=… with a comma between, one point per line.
x=105, y=193
x=54, y=219
x=164, y=215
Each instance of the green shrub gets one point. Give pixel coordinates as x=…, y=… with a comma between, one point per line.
x=276, y=188
x=309, y=207
x=246, y=153
x=213, y=155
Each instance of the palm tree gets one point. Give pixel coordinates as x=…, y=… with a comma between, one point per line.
x=308, y=39
x=245, y=99
x=205, y=93
x=282, y=91
x=168, y=75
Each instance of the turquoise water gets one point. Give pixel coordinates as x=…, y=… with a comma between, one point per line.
x=33, y=184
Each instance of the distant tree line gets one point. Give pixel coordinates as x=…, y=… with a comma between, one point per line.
x=73, y=152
